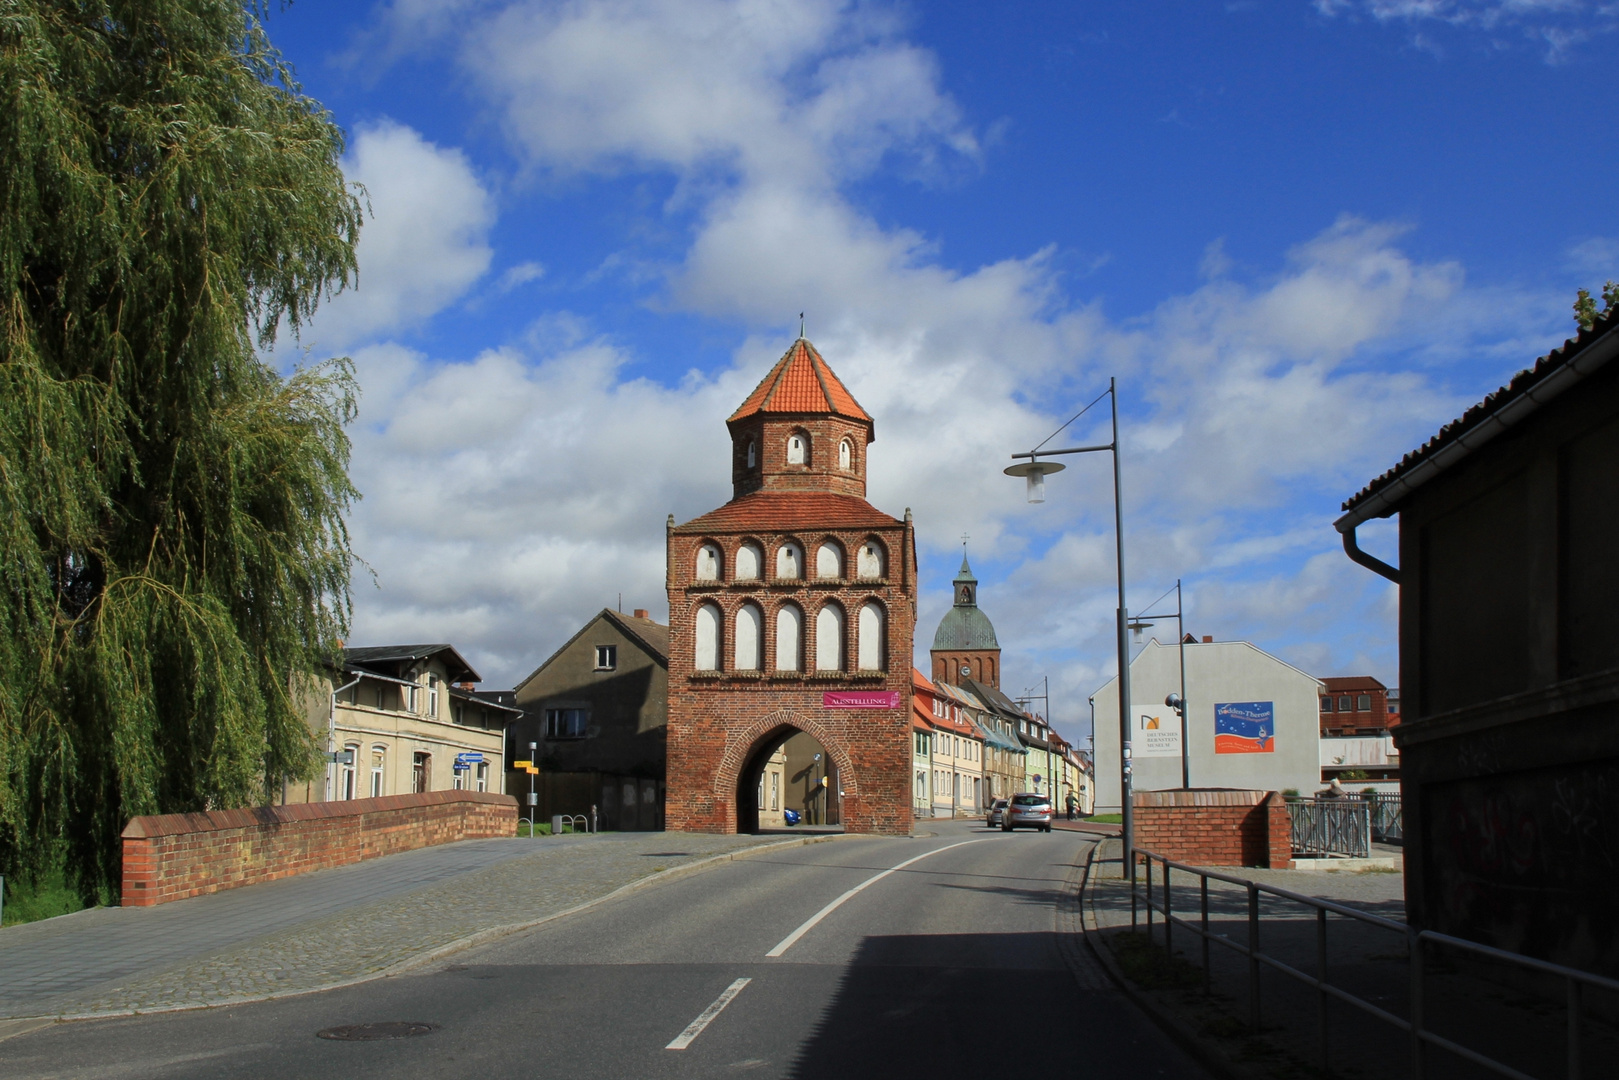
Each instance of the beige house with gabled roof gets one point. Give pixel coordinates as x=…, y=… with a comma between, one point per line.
x=399, y=719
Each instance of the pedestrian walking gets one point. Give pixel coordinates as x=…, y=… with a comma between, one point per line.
x=1073, y=806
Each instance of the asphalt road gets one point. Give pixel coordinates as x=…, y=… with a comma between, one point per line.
x=950, y=966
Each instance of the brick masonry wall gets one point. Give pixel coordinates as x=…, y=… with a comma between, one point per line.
x=1215, y=828
x=821, y=472
x=718, y=721
x=172, y=856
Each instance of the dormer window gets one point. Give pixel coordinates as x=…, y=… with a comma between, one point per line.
x=797, y=449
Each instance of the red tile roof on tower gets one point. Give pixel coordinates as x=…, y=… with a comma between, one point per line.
x=801, y=382
x=776, y=511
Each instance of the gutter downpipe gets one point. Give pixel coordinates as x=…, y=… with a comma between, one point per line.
x=1383, y=503
x=331, y=734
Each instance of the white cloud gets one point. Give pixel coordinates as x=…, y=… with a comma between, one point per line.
x=1556, y=25
x=425, y=238
x=521, y=274
x=510, y=497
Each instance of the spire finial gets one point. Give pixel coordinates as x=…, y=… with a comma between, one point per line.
x=800, y=326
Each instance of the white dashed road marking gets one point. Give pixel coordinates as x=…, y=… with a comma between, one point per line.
x=695, y=1028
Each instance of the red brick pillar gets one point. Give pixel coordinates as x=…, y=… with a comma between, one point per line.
x=1279, y=825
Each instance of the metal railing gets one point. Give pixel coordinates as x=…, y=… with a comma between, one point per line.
x=1575, y=981
x=1388, y=818
x=1331, y=827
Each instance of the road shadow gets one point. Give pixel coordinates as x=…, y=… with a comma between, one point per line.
x=973, y=1006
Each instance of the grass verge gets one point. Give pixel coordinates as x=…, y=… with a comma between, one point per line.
x=42, y=898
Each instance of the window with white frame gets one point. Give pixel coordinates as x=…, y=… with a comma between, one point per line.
x=607, y=658
x=351, y=761
x=378, y=759
x=432, y=695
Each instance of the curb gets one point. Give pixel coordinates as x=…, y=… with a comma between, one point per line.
x=1200, y=1051
x=31, y=1023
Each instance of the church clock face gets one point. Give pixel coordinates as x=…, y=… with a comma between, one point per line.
x=965, y=670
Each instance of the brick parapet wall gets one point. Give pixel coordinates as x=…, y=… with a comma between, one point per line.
x=1214, y=827
x=173, y=856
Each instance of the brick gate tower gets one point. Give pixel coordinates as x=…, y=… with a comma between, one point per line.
x=791, y=609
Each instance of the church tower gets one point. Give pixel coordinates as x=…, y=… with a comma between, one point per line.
x=792, y=610
x=964, y=646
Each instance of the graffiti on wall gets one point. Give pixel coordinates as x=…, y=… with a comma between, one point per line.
x=1527, y=861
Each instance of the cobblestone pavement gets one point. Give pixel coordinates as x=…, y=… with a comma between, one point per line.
x=323, y=929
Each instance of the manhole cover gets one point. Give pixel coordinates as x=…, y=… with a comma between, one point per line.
x=390, y=1029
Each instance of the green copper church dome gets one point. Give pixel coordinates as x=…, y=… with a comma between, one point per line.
x=965, y=627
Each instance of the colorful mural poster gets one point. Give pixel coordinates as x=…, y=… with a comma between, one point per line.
x=1245, y=727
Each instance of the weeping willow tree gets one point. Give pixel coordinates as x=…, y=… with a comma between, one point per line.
x=171, y=507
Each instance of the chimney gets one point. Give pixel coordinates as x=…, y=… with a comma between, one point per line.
x=1208, y=639
x=640, y=613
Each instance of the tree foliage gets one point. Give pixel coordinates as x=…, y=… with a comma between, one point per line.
x=172, y=537
x=1585, y=307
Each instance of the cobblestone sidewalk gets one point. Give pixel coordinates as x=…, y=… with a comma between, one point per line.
x=364, y=939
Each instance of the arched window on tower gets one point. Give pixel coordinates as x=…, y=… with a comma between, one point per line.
x=748, y=561
x=708, y=638
x=872, y=638
x=753, y=454
x=845, y=455
x=790, y=561
x=708, y=562
x=829, y=561
x=869, y=562
x=789, y=637
x=750, y=637
x=798, y=448
x=829, y=639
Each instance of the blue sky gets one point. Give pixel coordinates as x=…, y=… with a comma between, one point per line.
x=1302, y=235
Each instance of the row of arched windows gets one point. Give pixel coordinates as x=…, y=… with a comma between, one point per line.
x=798, y=451
x=830, y=562
x=745, y=649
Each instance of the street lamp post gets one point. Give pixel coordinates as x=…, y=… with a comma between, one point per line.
x=1034, y=471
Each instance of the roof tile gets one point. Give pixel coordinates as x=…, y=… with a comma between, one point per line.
x=778, y=510
x=801, y=382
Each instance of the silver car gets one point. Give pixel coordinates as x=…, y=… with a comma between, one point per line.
x=997, y=813
x=1027, y=809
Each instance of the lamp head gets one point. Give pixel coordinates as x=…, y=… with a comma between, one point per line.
x=1034, y=473
x=1174, y=702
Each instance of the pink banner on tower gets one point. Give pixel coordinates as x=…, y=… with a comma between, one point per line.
x=860, y=699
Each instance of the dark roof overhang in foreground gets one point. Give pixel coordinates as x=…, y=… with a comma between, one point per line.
x=1552, y=375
